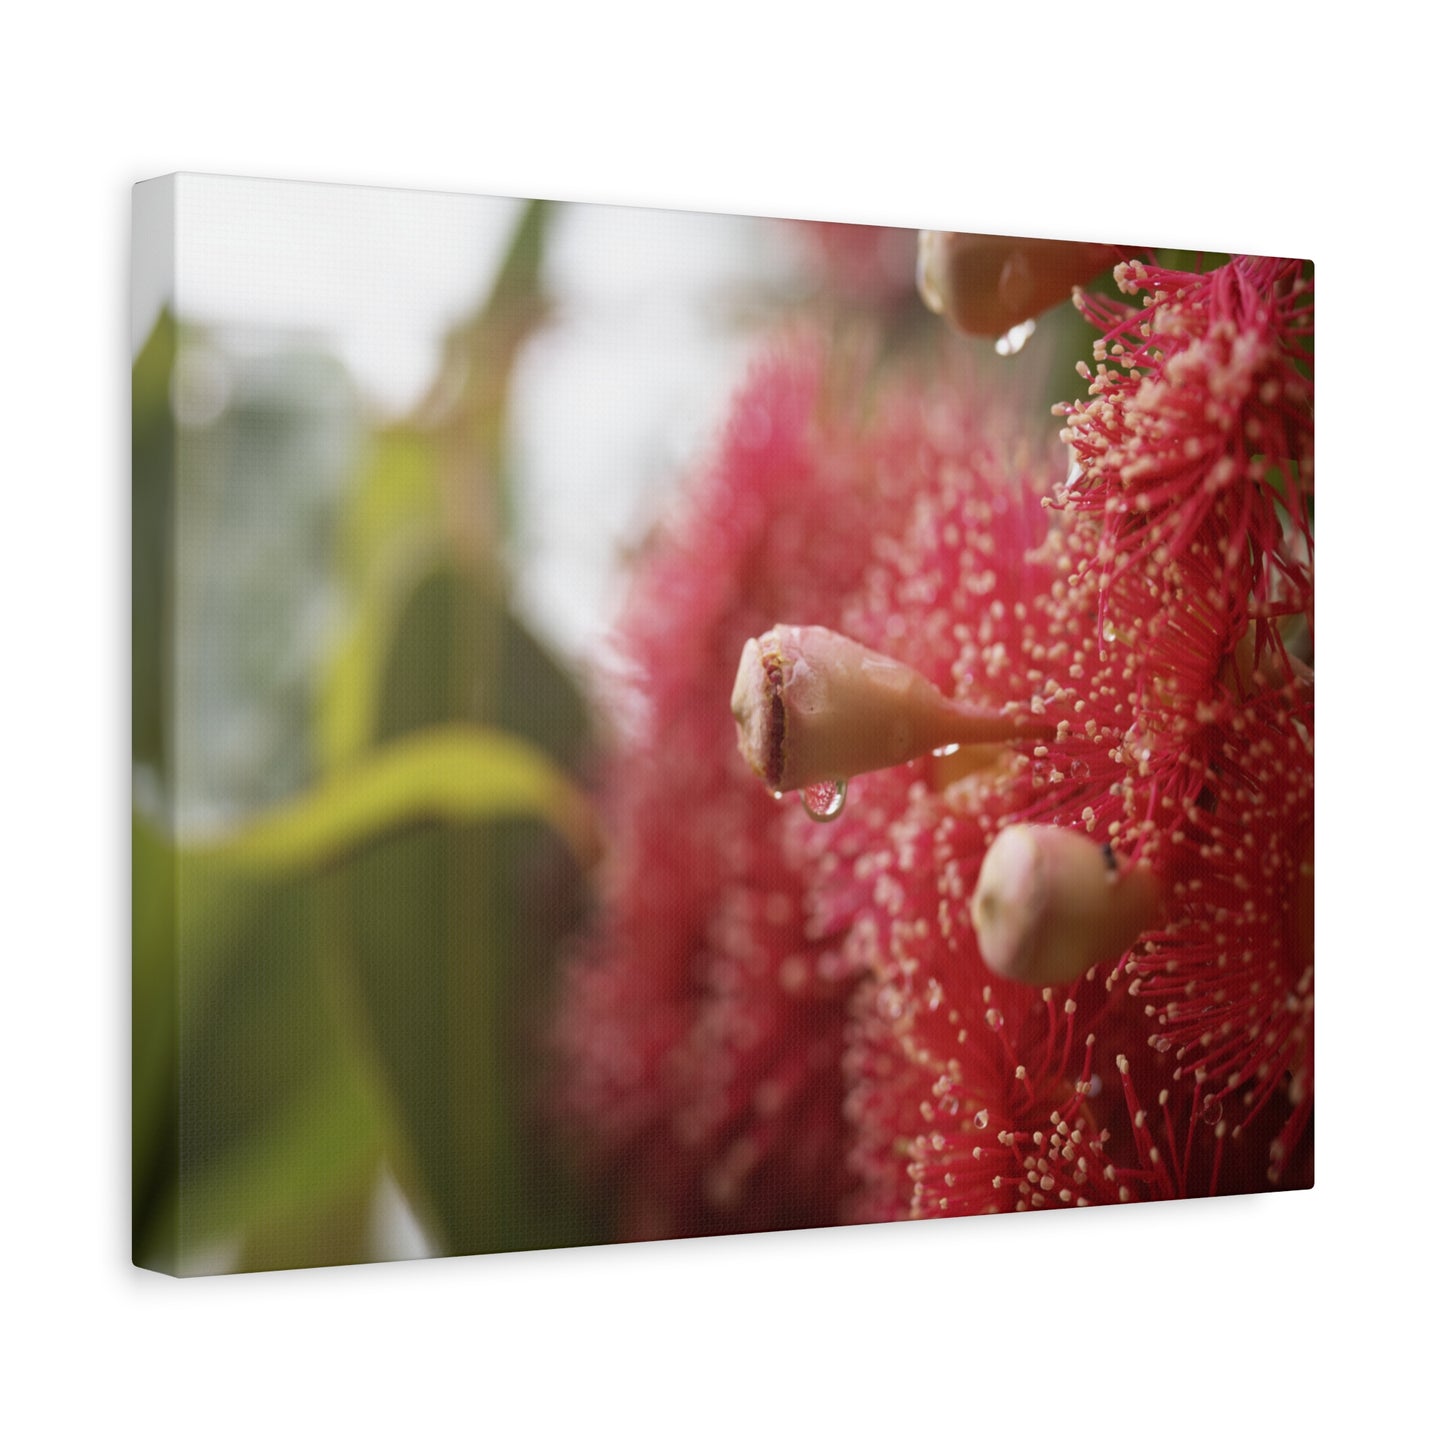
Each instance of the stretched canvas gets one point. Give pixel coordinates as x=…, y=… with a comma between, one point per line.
x=653, y=725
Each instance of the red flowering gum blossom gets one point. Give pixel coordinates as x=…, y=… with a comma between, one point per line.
x=783, y=1024
x=1198, y=438
x=703, y=1029
x=1173, y=1055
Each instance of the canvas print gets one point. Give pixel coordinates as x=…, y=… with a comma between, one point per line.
x=651, y=725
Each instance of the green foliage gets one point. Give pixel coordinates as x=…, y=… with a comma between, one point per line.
x=390, y=535
x=153, y=451
x=155, y=1043
x=355, y=979
x=490, y=903
x=451, y=774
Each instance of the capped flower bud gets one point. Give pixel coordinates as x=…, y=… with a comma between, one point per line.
x=813, y=706
x=985, y=285
x=1050, y=903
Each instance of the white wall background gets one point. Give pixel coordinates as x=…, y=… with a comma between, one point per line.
x=1250, y=1319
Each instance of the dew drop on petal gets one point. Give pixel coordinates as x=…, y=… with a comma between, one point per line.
x=824, y=801
x=1213, y=1110
x=980, y=1119
x=1078, y=768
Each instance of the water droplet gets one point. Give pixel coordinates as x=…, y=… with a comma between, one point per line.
x=1136, y=743
x=1212, y=1111
x=980, y=1119
x=1161, y=1043
x=1078, y=768
x=1096, y=1086
x=1014, y=339
x=1110, y=633
x=947, y=750
x=824, y=801
x=777, y=796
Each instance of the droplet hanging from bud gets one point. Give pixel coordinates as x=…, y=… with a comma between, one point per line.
x=813, y=706
x=987, y=285
x=824, y=801
x=1050, y=904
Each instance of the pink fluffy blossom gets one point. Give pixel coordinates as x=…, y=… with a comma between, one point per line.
x=1068, y=963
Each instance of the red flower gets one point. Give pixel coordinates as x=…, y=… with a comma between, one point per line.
x=1200, y=434
x=1058, y=948
x=705, y=1029
x=1113, y=1080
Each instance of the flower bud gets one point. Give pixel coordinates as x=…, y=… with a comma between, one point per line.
x=985, y=285
x=1050, y=904
x=813, y=706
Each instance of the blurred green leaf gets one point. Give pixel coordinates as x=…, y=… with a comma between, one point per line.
x=155, y=1043
x=458, y=655
x=391, y=533
x=450, y=935
x=300, y=1174
x=467, y=410
x=283, y=1128
x=153, y=448
x=455, y=773
x=395, y=496
x=248, y=1108
x=341, y=1232
x=449, y=773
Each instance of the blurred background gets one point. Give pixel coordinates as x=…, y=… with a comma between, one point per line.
x=393, y=455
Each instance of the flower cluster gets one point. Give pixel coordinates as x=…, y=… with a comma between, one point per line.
x=1057, y=947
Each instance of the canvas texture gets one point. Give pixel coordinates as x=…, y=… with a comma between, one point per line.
x=650, y=725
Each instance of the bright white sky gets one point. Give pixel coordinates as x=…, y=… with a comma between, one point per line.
x=376, y=274
x=612, y=402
